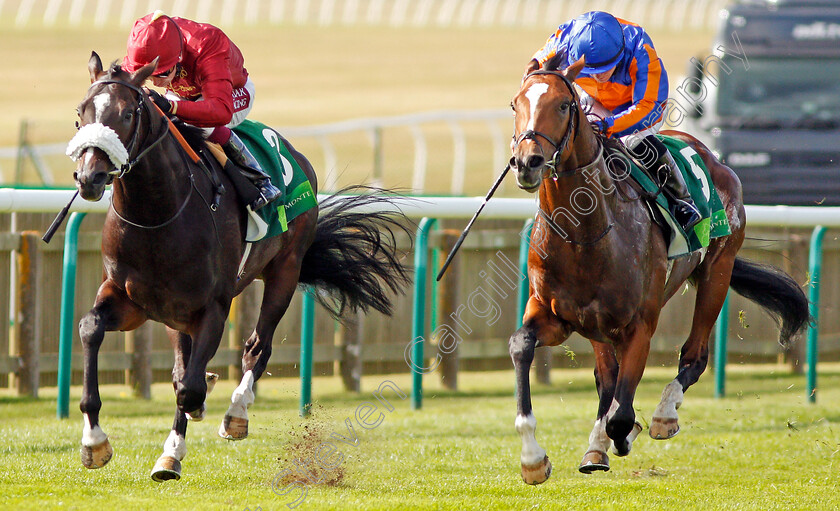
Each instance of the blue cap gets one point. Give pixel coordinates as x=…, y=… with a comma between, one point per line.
x=598, y=37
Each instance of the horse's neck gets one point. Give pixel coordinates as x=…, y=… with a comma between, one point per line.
x=157, y=185
x=581, y=202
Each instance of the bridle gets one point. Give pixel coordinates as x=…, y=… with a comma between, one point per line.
x=572, y=129
x=142, y=106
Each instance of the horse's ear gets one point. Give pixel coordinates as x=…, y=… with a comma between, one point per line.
x=140, y=76
x=94, y=66
x=554, y=63
x=572, y=71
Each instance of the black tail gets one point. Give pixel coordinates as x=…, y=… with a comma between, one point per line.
x=354, y=260
x=776, y=292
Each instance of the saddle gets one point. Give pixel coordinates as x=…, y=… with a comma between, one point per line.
x=697, y=178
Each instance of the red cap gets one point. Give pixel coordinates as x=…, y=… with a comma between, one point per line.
x=154, y=35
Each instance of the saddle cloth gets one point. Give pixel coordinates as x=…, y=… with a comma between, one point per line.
x=277, y=161
x=714, y=223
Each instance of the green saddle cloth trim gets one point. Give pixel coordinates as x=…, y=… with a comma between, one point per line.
x=277, y=161
x=714, y=223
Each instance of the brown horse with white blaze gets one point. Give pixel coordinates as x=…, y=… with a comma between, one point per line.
x=605, y=273
x=171, y=256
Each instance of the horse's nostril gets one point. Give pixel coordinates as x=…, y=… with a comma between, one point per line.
x=535, y=161
x=513, y=162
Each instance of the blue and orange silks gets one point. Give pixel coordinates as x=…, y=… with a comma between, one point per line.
x=637, y=91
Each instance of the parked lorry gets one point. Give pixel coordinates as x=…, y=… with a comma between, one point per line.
x=767, y=99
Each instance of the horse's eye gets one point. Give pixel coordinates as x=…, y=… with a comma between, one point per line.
x=128, y=115
x=564, y=107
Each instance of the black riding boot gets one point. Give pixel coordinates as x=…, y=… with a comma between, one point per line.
x=681, y=204
x=250, y=168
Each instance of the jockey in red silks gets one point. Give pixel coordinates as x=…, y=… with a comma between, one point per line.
x=206, y=81
x=623, y=73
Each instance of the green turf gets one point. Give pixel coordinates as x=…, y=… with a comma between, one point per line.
x=762, y=447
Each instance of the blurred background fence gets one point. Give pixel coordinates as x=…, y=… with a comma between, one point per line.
x=676, y=14
x=374, y=343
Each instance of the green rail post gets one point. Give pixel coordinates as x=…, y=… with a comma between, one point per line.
x=68, y=299
x=307, y=335
x=524, y=245
x=721, y=332
x=814, y=269
x=421, y=266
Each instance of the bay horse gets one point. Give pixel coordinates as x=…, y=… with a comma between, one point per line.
x=605, y=273
x=171, y=256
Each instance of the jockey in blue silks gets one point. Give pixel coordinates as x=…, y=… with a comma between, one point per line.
x=623, y=73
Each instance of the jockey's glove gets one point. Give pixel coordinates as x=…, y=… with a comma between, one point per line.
x=164, y=104
x=601, y=125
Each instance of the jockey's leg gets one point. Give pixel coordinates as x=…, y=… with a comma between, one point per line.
x=248, y=165
x=656, y=161
x=682, y=206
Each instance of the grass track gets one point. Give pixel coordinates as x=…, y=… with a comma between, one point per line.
x=763, y=447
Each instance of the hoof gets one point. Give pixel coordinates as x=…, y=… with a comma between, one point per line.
x=631, y=437
x=210, y=379
x=594, y=460
x=234, y=428
x=538, y=473
x=166, y=468
x=97, y=456
x=663, y=429
x=197, y=415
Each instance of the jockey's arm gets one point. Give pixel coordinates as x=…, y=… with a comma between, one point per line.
x=214, y=109
x=216, y=105
x=649, y=93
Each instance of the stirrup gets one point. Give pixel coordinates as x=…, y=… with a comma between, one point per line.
x=268, y=194
x=687, y=214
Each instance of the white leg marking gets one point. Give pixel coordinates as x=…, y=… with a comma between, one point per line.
x=532, y=453
x=598, y=439
x=533, y=94
x=92, y=436
x=243, y=397
x=175, y=446
x=672, y=398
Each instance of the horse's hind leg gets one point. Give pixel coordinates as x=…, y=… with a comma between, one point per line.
x=168, y=466
x=280, y=284
x=606, y=376
x=712, y=284
x=111, y=311
x=606, y=372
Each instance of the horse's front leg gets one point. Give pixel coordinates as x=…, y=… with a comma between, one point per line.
x=281, y=279
x=112, y=310
x=621, y=424
x=539, y=327
x=191, y=389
